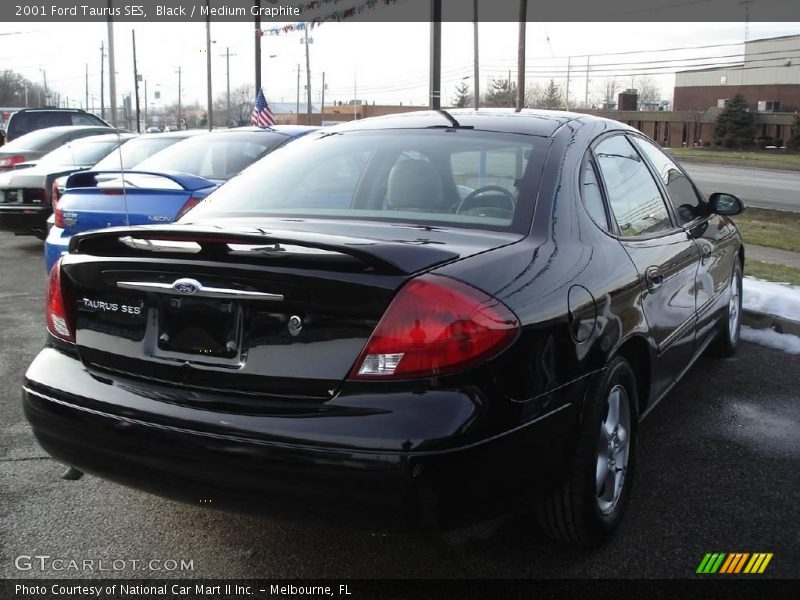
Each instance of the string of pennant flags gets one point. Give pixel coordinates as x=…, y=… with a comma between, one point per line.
x=337, y=15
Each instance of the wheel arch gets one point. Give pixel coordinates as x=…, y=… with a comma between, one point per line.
x=636, y=350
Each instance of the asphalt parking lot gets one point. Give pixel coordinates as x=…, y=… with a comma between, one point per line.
x=719, y=471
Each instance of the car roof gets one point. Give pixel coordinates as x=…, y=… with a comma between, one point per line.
x=104, y=137
x=70, y=128
x=290, y=130
x=506, y=120
x=45, y=109
x=172, y=135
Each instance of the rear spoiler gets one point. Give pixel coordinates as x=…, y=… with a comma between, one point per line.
x=394, y=257
x=88, y=179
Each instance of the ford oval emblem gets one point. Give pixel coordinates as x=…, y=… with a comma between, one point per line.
x=187, y=286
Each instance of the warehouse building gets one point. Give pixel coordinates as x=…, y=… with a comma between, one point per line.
x=769, y=79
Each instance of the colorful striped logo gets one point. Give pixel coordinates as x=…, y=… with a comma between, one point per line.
x=734, y=563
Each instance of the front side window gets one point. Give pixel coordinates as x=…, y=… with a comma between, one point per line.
x=633, y=195
x=465, y=177
x=681, y=192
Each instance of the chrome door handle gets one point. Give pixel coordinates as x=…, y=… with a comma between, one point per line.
x=654, y=278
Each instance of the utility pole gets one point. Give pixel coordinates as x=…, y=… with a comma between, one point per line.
x=227, y=56
x=145, y=105
x=178, y=124
x=210, y=109
x=586, y=92
x=355, y=96
x=297, y=106
x=44, y=77
x=136, y=83
x=86, y=103
x=322, y=103
x=436, y=55
x=102, y=80
x=523, y=15
x=308, y=77
x=257, y=6
x=566, y=96
x=112, y=78
x=476, y=92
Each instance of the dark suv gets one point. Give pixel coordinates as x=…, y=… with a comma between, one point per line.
x=30, y=119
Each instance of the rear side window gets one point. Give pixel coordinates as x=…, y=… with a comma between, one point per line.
x=681, y=192
x=633, y=195
x=81, y=119
x=593, y=196
x=22, y=123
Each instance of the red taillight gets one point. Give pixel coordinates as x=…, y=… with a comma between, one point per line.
x=190, y=204
x=58, y=217
x=56, y=308
x=54, y=194
x=9, y=162
x=435, y=325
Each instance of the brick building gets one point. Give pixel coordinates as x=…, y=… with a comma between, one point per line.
x=769, y=79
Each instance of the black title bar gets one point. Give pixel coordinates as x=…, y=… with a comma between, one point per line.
x=289, y=11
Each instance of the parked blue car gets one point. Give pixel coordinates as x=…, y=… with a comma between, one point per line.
x=162, y=187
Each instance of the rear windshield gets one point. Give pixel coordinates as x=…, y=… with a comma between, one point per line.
x=36, y=140
x=22, y=123
x=84, y=152
x=457, y=177
x=134, y=152
x=215, y=155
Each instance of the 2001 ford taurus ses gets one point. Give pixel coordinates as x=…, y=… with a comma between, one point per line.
x=402, y=323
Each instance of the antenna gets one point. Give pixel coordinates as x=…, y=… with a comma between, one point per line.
x=124, y=190
x=746, y=4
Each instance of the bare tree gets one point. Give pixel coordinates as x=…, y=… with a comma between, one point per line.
x=649, y=93
x=534, y=95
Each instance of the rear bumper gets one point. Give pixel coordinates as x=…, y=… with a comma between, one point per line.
x=282, y=465
x=24, y=219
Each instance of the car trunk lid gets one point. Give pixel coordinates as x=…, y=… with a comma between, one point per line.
x=279, y=309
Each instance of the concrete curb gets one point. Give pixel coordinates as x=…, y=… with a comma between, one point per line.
x=758, y=320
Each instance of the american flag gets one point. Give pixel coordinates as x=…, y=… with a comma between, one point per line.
x=262, y=115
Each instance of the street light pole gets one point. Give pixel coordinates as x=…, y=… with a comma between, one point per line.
x=476, y=92
x=112, y=78
x=136, y=83
x=257, y=6
x=308, y=78
x=210, y=109
x=436, y=55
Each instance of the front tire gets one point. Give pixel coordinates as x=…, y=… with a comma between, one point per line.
x=727, y=340
x=590, y=505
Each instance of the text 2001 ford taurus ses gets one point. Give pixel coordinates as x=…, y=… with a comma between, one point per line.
x=402, y=323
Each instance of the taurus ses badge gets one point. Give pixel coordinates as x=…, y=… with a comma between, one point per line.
x=187, y=286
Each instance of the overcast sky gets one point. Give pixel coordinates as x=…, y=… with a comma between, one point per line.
x=387, y=61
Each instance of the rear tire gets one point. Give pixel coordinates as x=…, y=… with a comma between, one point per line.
x=589, y=506
x=727, y=340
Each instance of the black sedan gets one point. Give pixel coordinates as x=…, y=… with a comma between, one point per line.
x=26, y=195
x=401, y=323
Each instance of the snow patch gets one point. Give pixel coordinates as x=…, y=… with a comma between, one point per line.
x=771, y=339
x=767, y=297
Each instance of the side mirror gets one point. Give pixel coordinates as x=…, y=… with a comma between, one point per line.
x=726, y=204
